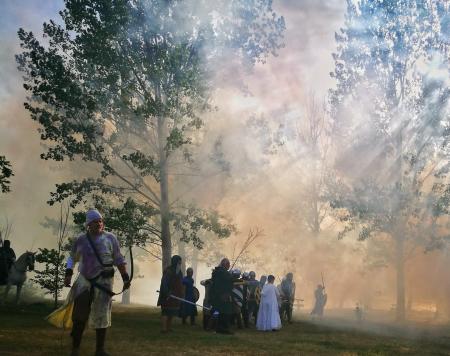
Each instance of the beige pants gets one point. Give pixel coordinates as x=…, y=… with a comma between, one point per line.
x=92, y=304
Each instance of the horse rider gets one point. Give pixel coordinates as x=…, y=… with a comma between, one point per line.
x=7, y=259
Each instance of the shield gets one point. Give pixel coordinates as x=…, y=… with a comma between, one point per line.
x=196, y=294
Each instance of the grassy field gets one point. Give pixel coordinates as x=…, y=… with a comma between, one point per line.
x=135, y=331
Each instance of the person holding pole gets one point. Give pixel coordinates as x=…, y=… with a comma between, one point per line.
x=221, y=290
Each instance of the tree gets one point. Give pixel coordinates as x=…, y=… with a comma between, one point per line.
x=52, y=277
x=122, y=84
x=391, y=113
x=300, y=140
x=309, y=144
x=5, y=173
x=5, y=231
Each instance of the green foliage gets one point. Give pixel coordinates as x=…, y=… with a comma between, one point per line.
x=392, y=113
x=146, y=165
x=196, y=220
x=131, y=222
x=115, y=68
x=386, y=54
x=51, y=278
x=5, y=173
x=122, y=84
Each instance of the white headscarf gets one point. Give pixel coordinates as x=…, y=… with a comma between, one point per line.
x=92, y=215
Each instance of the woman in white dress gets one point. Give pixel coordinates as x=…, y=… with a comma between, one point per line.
x=269, y=312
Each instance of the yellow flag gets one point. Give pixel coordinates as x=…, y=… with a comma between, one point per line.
x=62, y=317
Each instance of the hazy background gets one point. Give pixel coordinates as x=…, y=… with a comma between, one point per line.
x=260, y=191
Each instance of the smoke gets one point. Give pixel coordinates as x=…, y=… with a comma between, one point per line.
x=244, y=170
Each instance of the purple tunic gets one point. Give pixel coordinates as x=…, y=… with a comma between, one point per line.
x=107, y=247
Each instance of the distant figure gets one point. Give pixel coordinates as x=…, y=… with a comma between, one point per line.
x=287, y=291
x=188, y=310
x=220, y=293
x=171, y=284
x=7, y=259
x=358, y=313
x=268, y=314
x=321, y=300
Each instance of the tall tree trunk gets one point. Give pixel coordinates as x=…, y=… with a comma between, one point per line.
x=316, y=210
x=126, y=295
x=400, y=267
x=57, y=269
x=399, y=235
x=195, y=262
x=182, y=253
x=166, y=243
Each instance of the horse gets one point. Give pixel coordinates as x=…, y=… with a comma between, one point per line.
x=17, y=274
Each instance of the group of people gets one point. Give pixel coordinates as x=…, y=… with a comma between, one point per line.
x=231, y=298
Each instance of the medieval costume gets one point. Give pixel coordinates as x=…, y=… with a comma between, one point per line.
x=188, y=310
x=287, y=291
x=89, y=299
x=207, y=304
x=321, y=300
x=268, y=313
x=221, y=288
x=7, y=259
x=171, y=285
x=253, y=296
x=237, y=296
x=244, y=308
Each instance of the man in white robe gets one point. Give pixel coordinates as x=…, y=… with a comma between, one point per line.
x=269, y=312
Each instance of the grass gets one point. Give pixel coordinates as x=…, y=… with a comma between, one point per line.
x=135, y=331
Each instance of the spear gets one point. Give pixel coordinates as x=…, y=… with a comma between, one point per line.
x=184, y=300
x=323, y=283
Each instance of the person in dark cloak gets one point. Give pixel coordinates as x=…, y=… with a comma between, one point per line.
x=171, y=285
x=207, y=320
x=221, y=289
x=7, y=259
x=188, y=310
